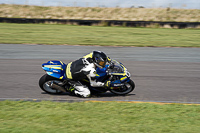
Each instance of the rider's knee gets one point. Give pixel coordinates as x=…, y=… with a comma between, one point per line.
x=82, y=91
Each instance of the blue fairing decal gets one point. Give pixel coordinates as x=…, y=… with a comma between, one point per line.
x=55, y=69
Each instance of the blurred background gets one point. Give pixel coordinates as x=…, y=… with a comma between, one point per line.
x=130, y=10
x=185, y=4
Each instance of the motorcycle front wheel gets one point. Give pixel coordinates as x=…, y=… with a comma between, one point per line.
x=45, y=82
x=127, y=88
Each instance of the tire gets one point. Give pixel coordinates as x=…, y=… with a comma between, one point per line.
x=127, y=88
x=44, y=82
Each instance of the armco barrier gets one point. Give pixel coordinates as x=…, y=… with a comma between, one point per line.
x=179, y=25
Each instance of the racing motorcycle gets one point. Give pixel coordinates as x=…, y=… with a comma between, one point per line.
x=55, y=82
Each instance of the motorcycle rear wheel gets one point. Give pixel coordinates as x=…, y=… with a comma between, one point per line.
x=45, y=82
x=127, y=88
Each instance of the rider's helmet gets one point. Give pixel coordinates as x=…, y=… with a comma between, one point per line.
x=99, y=59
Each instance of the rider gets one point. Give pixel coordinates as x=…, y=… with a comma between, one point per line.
x=83, y=68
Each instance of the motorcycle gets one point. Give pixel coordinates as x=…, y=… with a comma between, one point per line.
x=55, y=82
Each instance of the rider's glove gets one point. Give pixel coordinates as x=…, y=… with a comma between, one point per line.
x=107, y=83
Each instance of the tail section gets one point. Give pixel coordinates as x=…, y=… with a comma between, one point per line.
x=55, y=69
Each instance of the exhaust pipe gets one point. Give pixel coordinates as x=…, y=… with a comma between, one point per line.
x=57, y=87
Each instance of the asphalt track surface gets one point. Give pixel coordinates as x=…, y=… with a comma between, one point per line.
x=160, y=74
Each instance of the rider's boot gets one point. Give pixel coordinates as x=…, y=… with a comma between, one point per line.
x=71, y=90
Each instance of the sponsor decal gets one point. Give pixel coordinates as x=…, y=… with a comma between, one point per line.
x=116, y=85
x=55, y=71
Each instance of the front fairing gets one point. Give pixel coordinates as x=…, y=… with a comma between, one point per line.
x=118, y=71
x=118, y=68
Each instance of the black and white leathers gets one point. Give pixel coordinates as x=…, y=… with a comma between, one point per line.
x=83, y=68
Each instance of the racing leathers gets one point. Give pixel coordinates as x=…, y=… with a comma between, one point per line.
x=83, y=68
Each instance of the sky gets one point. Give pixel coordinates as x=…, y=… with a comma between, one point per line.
x=186, y=4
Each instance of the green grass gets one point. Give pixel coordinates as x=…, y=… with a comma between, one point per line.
x=96, y=35
x=111, y=117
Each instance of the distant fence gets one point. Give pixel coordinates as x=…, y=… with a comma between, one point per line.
x=179, y=25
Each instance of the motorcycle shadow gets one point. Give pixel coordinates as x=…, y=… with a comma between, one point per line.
x=99, y=95
x=113, y=95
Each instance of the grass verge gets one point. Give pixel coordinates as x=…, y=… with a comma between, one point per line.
x=93, y=35
x=112, y=117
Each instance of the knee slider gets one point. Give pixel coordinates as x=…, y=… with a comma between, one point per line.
x=82, y=91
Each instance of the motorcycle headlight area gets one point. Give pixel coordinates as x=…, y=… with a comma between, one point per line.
x=127, y=73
